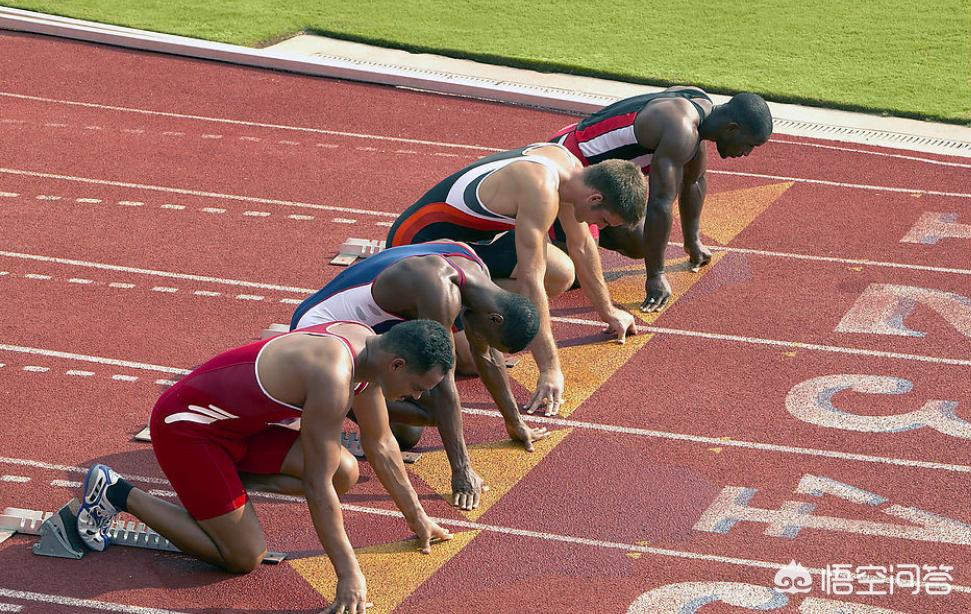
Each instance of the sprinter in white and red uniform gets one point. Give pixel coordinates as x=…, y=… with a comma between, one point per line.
x=663, y=133
x=503, y=206
x=445, y=281
x=220, y=427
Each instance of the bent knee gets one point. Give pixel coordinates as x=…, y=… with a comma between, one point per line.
x=559, y=279
x=243, y=560
x=348, y=473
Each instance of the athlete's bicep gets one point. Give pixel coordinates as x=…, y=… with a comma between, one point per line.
x=326, y=405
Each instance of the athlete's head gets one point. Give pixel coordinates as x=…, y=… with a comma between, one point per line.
x=421, y=353
x=507, y=320
x=617, y=194
x=745, y=123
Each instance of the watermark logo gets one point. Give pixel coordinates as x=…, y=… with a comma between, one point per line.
x=793, y=578
x=845, y=579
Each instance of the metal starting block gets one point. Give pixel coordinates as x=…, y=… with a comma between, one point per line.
x=59, y=533
x=352, y=249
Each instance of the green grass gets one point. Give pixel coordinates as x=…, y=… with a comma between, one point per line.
x=899, y=57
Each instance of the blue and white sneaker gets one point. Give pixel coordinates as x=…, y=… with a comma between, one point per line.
x=97, y=513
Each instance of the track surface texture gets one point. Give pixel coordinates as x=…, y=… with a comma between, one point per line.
x=804, y=398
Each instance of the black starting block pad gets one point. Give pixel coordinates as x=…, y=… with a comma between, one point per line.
x=352, y=249
x=59, y=537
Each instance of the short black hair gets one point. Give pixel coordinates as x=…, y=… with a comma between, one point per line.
x=752, y=114
x=520, y=320
x=623, y=186
x=423, y=344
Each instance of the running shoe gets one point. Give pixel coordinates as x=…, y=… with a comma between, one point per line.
x=97, y=513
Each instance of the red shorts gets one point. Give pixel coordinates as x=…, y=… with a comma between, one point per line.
x=204, y=468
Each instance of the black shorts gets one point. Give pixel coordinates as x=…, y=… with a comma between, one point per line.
x=499, y=256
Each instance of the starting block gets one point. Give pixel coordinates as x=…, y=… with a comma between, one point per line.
x=352, y=249
x=59, y=533
x=143, y=435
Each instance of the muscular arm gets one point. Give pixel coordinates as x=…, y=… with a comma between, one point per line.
x=674, y=149
x=532, y=223
x=384, y=455
x=323, y=413
x=586, y=259
x=692, y=200
x=492, y=370
x=441, y=301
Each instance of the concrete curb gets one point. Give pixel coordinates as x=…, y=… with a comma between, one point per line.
x=325, y=57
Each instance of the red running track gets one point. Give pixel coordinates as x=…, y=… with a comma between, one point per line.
x=157, y=210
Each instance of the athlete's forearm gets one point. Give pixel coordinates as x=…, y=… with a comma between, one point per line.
x=657, y=229
x=492, y=371
x=543, y=346
x=385, y=458
x=690, y=204
x=325, y=511
x=446, y=409
x=586, y=260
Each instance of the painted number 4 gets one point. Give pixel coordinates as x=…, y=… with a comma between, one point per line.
x=732, y=506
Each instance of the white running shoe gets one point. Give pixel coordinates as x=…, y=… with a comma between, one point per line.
x=97, y=513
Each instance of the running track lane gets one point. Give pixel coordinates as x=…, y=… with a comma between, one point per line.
x=514, y=550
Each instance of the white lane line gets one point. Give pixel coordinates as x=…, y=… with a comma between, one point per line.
x=212, y=136
x=12, y=121
x=53, y=125
x=172, y=133
x=390, y=138
x=960, y=362
x=164, y=289
x=133, y=130
x=90, y=201
x=207, y=293
x=253, y=139
x=299, y=217
x=250, y=297
x=49, y=197
x=106, y=606
x=10, y=607
x=9, y=194
x=156, y=273
x=236, y=122
x=854, y=261
x=79, y=280
x=540, y=535
x=386, y=224
x=717, y=441
x=256, y=213
x=328, y=145
x=872, y=153
x=175, y=207
x=65, y=484
x=291, y=301
x=344, y=220
x=95, y=359
x=36, y=369
x=165, y=382
x=130, y=203
x=124, y=378
x=2, y=273
x=288, y=142
x=79, y=373
x=156, y=188
x=840, y=184
x=18, y=479
x=92, y=127
x=116, y=284
x=213, y=210
x=36, y=276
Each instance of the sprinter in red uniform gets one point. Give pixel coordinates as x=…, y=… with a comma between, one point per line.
x=664, y=134
x=223, y=426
